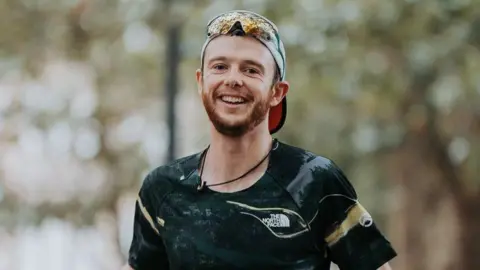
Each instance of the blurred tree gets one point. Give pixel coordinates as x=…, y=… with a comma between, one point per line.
x=404, y=70
x=388, y=89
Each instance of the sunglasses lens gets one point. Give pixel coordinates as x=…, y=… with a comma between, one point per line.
x=250, y=24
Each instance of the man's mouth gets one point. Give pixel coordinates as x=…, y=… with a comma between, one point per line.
x=232, y=100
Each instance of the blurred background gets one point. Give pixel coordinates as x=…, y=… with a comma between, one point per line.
x=92, y=91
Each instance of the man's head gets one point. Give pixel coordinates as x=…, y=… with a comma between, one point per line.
x=241, y=80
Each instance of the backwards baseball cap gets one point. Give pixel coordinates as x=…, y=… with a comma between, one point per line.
x=252, y=24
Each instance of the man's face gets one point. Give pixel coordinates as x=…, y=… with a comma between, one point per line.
x=236, y=85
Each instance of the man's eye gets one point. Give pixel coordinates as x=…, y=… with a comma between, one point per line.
x=219, y=67
x=251, y=71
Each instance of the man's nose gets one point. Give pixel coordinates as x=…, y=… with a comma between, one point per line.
x=234, y=78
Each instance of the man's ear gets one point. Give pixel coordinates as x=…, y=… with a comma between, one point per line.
x=199, y=76
x=280, y=90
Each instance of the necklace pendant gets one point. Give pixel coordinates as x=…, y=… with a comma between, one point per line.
x=201, y=186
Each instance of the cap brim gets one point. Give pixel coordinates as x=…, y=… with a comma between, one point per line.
x=277, y=116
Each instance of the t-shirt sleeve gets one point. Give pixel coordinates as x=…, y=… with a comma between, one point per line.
x=353, y=239
x=147, y=250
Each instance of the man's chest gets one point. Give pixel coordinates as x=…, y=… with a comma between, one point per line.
x=231, y=230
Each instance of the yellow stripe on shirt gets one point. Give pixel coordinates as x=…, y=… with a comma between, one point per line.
x=147, y=215
x=357, y=215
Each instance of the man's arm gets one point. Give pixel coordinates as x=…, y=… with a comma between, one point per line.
x=352, y=238
x=147, y=250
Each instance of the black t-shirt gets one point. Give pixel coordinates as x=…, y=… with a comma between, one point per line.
x=302, y=214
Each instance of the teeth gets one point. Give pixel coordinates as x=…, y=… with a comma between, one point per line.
x=233, y=99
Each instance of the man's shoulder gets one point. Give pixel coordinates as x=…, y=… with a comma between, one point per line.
x=293, y=160
x=301, y=171
x=172, y=172
x=306, y=176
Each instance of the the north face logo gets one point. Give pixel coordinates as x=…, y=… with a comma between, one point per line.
x=277, y=221
x=281, y=222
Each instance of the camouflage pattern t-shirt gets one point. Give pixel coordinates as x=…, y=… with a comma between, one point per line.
x=302, y=214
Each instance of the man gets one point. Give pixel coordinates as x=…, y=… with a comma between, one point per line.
x=249, y=201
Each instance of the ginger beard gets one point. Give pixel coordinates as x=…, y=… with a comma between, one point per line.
x=257, y=112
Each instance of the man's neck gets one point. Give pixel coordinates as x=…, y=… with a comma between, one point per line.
x=229, y=158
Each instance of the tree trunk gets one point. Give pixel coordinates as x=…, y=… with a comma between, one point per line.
x=423, y=223
x=469, y=220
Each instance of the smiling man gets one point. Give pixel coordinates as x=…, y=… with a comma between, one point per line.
x=249, y=201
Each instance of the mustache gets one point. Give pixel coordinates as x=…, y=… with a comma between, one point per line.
x=223, y=92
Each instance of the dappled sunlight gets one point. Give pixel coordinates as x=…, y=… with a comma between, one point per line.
x=390, y=90
x=57, y=244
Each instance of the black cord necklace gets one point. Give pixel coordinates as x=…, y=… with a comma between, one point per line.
x=204, y=157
